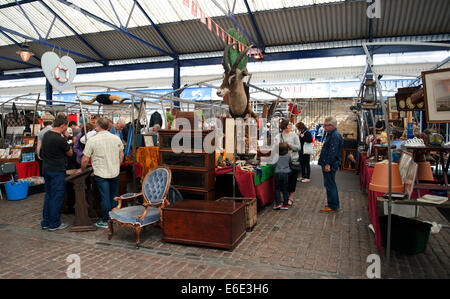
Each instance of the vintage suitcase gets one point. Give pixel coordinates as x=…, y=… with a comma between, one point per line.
x=206, y=223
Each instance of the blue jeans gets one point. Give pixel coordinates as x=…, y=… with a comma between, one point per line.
x=55, y=194
x=281, y=186
x=108, y=189
x=332, y=191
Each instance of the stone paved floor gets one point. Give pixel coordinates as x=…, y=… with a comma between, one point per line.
x=298, y=243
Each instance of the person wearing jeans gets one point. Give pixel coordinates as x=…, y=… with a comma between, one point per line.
x=108, y=189
x=282, y=171
x=105, y=151
x=330, y=160
x=54, y=152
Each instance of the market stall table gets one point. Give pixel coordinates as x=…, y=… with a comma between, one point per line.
x=24, y=170
x=254, y=184
x=372, y=204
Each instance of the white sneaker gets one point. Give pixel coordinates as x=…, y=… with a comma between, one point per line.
x=60, y=227
x=306, y=180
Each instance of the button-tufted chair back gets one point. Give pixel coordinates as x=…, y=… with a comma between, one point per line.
x=156, y=184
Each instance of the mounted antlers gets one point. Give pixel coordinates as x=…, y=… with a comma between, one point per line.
x=233, y=90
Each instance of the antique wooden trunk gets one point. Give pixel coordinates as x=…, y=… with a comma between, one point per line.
x=251, y=210
x=206, y=223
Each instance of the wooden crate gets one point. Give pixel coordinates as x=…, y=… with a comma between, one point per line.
x=251, y=213
x=203, y=222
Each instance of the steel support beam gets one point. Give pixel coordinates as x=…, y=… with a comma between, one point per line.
x=92, y=16
x=255, y=27
x=19, y=61
x=176, y=81
x=44, y=42
x=230, y=16
x=156, y=28
x=17, y=44
x=105, y=61
x=319, y=53
x=48, y=92
x=12, y=4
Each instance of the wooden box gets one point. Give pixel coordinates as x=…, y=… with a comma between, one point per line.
x=219, y=224
x=251, y=211
x=197, y=138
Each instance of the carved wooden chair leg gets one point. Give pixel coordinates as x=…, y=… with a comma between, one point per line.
x=111, y=230
x=137, y=229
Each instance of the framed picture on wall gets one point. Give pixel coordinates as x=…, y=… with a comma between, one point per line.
x=436, y=86
x=349, y=161
x=392, y=107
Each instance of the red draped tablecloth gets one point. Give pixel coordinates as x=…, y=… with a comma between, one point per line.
x=27, y=169
x=362, y=172
x=264, y=192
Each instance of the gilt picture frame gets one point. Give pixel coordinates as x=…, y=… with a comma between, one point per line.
x=436, y=86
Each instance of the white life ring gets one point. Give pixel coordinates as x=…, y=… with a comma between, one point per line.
x=58, y=77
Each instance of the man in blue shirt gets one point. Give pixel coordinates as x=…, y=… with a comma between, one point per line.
x=330, y=160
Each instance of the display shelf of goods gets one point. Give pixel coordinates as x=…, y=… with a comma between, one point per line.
x=404, y=98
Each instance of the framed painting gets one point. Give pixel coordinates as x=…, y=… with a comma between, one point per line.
x=436, y=86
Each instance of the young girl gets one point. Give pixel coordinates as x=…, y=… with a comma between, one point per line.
x=282, y=171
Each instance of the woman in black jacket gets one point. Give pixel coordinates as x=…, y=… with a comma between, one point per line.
x=305, y=136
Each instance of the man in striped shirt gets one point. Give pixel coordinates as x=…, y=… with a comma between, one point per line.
x=105, y=151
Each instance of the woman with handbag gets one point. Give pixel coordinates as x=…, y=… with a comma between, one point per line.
x=306, y=151
x=293, y=142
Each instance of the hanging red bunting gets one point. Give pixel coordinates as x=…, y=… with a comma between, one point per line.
x=209, y=22
x=194, y=8
x=202, y=16
x=223, y=35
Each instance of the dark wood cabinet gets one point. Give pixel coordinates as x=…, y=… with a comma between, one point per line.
x=193, y=172
x=219, y=224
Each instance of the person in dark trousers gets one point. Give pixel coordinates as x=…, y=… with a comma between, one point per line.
x=293, y=142
x=105, y=151
x=330, y=160
x=305, y=136
x=54, y=152
x=282, y=171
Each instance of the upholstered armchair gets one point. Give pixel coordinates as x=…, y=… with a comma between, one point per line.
x=154, y=192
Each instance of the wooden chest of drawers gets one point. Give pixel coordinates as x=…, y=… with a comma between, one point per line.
x=193, y=173
x=206, y=223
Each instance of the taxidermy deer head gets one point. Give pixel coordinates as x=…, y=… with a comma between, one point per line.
x=233, y=90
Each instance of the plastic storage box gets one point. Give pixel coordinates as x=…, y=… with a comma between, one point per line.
x=408, y=236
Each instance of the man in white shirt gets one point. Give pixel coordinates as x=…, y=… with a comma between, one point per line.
x=105, y=151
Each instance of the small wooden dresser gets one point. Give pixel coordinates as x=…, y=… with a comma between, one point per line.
x=193, y=173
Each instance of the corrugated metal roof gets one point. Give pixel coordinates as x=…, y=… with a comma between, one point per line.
x=282, y=23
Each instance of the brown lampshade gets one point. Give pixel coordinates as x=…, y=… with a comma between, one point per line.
x=424, y=171
x=380, y=178
x=25, y=53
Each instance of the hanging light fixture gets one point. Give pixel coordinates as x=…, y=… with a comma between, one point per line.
x=25, y=52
